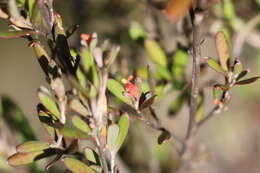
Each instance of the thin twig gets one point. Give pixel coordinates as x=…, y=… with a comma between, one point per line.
x=196, y=53
x=208, y=116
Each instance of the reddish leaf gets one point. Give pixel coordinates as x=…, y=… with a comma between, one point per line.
x=247, y=81
x=176, y=9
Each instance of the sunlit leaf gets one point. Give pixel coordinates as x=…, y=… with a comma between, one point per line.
x=155, y=52
x=32, y=146
x=80, y=124
x=222, y=50
x=117, y=90
x=91, y=156
x=229, y=10
x=48, y=102
x=179, y=62
x=137, y=32
x=214, y=65
x=123, y=124
x=77, y=166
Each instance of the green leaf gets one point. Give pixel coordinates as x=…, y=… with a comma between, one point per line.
x=77, y=166
x=179, y=62
x=201, y=107
x=15, y=34
x=77, y=106
x=123, y=124
x=247, y=81
x=48, y=102
x=80, y=124
x=47, y=121
x=242, y=74
x=89, y=66
x=117, y=89
x=24, y=158
x=91, y=156
x=176, y=105
x=18, y=120
x=156, y=53
x=112, y=135
x=238, y=67
x=163, y=72
x=214, y=65
x=217, y=93
x=137, y=32
x=32, y=146
x=229, y=10
x=73, y=133
x=222, y=50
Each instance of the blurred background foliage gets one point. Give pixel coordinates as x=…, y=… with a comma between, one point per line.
x=230, y=142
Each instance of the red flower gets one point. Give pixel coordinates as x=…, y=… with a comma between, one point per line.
x=86, y=37
x=130, y=87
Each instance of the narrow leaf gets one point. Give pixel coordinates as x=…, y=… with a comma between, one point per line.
x=247, y=81
x=80, y=124
x=15, y=34
x=47, y=121
x=242, y=74
x=237, y=67
x=77, y=106
x=77, y=166
x=222, y=50
x=147, y=102
x=214, y=65
x=73, y=133
x=24, y=158
x=176, y=105
x=123, y=124
x=91, y=156
x=48, y=102
x=19, y=123
x=113, y=132
x=179, y=62
x=176, y=9
x=89, y=66
x=155, y=52
x=32, y=146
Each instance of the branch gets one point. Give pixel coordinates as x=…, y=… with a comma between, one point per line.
x=208, y=116
x=196, y=54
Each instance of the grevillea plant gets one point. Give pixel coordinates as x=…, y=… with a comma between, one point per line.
x=86, y=130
